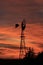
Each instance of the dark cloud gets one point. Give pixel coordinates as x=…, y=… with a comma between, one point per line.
x=36, y=42
x=1, y=53
x=40, y=45
x=15, y=10
x=4, y=38
x=1, y=49
x=8, y=46
x=2, y=35
x=38, y=35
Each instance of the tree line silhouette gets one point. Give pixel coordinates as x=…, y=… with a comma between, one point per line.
x=29, y=59
x=32, y=59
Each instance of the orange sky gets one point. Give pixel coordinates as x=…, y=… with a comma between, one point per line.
x=10, y=38
x=12, y=12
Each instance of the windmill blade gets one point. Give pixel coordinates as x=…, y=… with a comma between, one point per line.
x=16, y=25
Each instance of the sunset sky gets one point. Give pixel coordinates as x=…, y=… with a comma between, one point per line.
x=12, y=12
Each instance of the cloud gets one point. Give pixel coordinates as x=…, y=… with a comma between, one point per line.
x=39, y=44
x=15, y=10
x=34, y=42
x=3, y=38
x=1, y=53
x=38, y=35
x=2, y=35
x=8, y=46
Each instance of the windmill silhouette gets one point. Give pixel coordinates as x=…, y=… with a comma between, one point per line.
x=22, y=43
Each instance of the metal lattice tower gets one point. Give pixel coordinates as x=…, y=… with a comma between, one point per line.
x=22, y=43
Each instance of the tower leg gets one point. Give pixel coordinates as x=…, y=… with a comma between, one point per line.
x=22, y=46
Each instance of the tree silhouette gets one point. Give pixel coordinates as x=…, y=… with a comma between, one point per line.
x=39, y=58
x=31, y=59
x=30, y=53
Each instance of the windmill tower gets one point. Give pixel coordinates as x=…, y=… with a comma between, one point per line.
x=22, y=43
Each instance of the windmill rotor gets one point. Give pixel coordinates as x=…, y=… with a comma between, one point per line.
x=23, y=25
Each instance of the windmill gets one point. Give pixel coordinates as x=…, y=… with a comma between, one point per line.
x=22, y=43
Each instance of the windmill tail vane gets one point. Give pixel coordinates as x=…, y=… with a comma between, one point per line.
x=16, y=25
